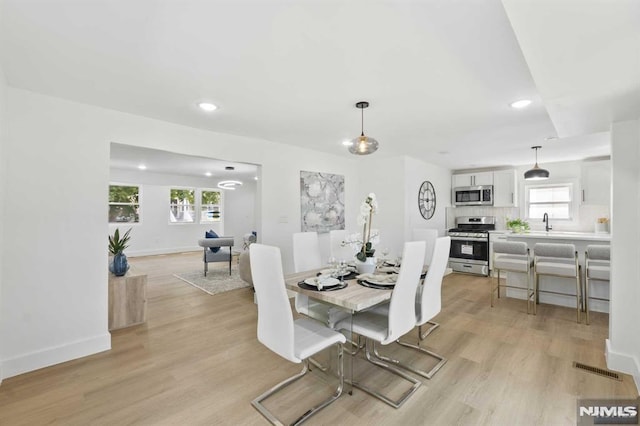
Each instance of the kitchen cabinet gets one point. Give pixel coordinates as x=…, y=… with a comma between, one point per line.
x=505, y=188
x=472, y=179
x=596, y=182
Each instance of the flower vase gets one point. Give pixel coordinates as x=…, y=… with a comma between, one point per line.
x=366, y=267
x=119, y=266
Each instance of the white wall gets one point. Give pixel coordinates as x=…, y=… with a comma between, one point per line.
x=3, y=137
x=155, y=235
x=623, y=345
x=54, y=306
x=416, y=172
x=385, y=178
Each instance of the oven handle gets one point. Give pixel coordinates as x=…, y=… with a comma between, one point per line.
x=481, y=240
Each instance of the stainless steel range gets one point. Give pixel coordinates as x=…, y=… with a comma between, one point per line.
x=470, y=244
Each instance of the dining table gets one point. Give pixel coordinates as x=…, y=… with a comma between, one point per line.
x=343, y=303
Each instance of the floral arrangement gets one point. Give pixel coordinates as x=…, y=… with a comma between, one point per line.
x=365, y=217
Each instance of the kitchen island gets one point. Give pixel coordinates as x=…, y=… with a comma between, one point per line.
x=566, y=285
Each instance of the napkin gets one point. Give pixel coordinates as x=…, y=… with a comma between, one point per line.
x=378, y=278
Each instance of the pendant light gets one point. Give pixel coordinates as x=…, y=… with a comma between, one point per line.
x=363, y=145
x=536, y=173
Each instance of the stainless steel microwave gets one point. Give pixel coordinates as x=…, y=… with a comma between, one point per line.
x=473, y=195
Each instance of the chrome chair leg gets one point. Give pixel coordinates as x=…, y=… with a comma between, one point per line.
x=257, y=403
x=426, y=374
x=369, y=346
x=421, y=336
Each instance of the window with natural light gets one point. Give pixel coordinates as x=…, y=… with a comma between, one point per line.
x=182, y=205
x=210, y=202
x=555, y=200
x=124, y=204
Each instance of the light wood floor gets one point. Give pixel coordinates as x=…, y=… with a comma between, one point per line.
x=197, y=362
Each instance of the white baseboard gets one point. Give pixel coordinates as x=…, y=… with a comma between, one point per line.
x=623, y=362
x=55, y=355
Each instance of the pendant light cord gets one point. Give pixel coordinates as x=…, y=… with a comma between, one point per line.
x=362, y=121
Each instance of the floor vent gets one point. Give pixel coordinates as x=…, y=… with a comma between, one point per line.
x=599, y=371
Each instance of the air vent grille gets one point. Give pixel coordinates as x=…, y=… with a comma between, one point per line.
x=599, y=371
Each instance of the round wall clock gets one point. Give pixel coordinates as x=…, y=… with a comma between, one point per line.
x=427, y=200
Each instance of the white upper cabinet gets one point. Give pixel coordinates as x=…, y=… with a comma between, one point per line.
x=596, y=182
x=505, y=187
x=472, y=179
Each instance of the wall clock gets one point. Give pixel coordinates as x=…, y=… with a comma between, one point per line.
x=427, y=200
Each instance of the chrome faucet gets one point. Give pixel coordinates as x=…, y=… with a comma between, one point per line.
x=545, y=219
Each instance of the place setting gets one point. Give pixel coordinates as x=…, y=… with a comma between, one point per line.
x=334, y=278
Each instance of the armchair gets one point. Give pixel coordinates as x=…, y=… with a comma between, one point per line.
x=223, y=255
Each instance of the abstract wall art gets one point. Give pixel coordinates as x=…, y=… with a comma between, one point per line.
x=321, y=202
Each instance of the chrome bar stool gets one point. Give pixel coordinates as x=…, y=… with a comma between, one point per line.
x=557, y=260
x=513, y=256
x=597, y=267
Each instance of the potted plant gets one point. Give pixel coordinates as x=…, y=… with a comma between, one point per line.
x=117, y=245
x=517, y=225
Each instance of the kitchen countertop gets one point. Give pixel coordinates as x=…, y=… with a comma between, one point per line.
x=561, y=235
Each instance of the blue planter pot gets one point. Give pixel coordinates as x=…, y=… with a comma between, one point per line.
x=119, y=266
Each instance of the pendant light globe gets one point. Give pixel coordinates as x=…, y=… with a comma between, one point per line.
x=363, y=145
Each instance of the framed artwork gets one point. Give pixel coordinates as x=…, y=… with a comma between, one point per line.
x=321, y=202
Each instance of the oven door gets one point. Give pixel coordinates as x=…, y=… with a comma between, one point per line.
x=470, y=249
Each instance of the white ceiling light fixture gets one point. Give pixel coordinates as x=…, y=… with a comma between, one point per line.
x=142, y=167
x=207, y=106
x=208, y=174
x=229, y=184
x=519, y=104
x=363, y=145
x=536, y=173
x=347, y=143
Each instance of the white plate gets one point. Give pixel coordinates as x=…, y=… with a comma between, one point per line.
x=326, y=282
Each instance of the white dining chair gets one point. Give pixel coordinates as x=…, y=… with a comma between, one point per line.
x=428, y=305
x=295, y=341
x=337, y=249
x=306, y=257
x=385, y=329
x=429, y=236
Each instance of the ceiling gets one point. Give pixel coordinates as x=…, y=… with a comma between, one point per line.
x=439, y=74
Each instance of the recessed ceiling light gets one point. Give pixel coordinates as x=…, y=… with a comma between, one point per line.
x=255, y=178
x=347, y=143
x=522, y=103
x=208, y=174
x=206, y=106
x=142, y=167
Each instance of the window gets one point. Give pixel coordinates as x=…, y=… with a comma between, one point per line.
x=555, y=200
x=182, y=206
x=124, y=204
x=210, y=206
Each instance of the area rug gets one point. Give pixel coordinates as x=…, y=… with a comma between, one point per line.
x=217, y=280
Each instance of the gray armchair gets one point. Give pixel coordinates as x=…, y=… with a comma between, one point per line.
x=223, y=255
